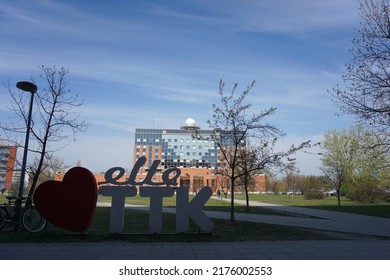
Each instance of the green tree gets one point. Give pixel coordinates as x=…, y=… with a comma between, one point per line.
x=338, y=154
x=353, y=158
x=370, y=172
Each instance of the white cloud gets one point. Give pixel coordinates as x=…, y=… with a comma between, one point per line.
x=146, y=64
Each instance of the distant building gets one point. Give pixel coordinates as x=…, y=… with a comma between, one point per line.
x=7, y=164
x=199, y=160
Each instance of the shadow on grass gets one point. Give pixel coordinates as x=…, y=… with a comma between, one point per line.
x=253, y=210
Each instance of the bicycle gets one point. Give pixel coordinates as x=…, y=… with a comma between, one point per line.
x=30, y=219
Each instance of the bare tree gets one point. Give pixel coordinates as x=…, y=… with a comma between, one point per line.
x=48, y=170
x=262, y=158
x=54, y=120
x=365, y=92
x=232, y=126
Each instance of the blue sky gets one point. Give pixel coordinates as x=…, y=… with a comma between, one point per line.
x=153, y=64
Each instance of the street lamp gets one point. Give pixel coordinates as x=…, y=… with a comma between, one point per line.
x=32, y=88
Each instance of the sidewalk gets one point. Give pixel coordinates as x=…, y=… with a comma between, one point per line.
x=247, y=250
x=374, y=246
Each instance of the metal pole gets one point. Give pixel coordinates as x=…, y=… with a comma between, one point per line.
x=18, y=206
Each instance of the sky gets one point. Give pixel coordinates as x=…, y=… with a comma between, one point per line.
x=153, y=64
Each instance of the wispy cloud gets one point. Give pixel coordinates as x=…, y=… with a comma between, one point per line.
x=154, y=64
x=293, y=17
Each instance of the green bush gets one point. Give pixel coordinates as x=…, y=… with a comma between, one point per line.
x=312, y=194
x=365, y=193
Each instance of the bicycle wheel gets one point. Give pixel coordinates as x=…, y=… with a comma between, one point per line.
x=3, y=217
x=32, y=220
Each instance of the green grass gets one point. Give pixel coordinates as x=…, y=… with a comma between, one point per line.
x=136, y=222
x=136, y=230
x=379, y=208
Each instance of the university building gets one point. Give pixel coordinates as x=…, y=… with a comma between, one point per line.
x=198, y=158
x=7, y=163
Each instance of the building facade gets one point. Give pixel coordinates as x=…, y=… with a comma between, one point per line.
x=198, y=158
x=7, y=164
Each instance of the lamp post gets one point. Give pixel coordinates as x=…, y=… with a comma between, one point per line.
x=32, y=88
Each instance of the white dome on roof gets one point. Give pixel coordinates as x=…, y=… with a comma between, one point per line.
x=189, y=124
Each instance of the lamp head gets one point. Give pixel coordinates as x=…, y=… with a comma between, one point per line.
x=27, y=86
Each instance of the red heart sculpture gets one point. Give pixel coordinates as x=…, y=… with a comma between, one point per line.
x=69, y=204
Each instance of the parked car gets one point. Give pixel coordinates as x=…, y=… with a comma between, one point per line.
x=332, y=193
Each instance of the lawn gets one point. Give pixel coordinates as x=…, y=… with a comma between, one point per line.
x=136, y=230
x=379, y=208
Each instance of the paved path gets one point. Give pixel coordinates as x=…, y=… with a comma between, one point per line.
x=375, y=245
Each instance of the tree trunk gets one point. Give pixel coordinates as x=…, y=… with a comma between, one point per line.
x=232, y=219
x=338, y=197
x=246, y=183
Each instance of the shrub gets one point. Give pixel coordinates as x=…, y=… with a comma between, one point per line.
x=312, y=194
x=365, y=193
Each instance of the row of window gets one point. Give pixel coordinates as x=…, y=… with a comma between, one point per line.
x=181, y=147
x=139, y=140
x=138, y=153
